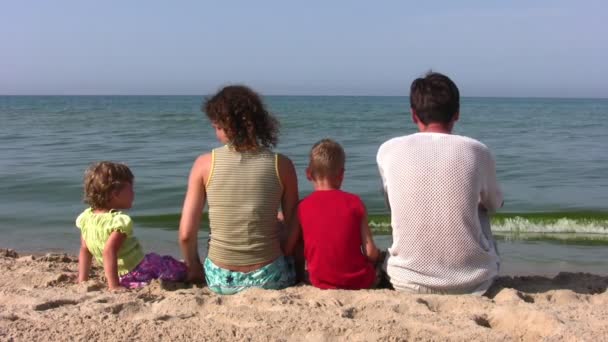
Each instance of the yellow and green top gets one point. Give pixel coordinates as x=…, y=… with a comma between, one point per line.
x=96, y=229
x=244, y=193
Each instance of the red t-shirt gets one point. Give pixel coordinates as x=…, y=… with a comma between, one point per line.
x=331, y=227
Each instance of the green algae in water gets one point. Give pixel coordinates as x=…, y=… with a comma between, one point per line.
x=574, y=228
x=167, y=221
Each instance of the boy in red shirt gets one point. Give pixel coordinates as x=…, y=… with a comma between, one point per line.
x=338, y=246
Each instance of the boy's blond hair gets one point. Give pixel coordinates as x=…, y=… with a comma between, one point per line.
x=327, y=159
x=101, y=179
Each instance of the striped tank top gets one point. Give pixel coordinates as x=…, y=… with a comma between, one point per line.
x=243, y=193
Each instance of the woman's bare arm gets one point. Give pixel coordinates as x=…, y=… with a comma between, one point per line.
x=191, y=216
x=295, y=232
x=289, y=204
x=289, y=179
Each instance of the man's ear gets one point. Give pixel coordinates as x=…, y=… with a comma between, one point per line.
x=415, y=118
x=341, y=175
x=308, y=174
x=456, y=117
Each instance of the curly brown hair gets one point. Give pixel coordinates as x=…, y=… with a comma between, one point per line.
x=240, y=112
x=101, y=179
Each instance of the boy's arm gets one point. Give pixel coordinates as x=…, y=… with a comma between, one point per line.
x=110, y=258
x=84, y=262
x=369, y=247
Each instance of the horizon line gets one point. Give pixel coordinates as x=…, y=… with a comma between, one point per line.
x=308, y=95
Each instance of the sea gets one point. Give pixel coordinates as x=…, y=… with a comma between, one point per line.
x=551, y=156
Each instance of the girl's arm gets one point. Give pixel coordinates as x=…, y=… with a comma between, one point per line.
x=84, y=262
x=369, y=247
x=191, y=216
x=110, y=258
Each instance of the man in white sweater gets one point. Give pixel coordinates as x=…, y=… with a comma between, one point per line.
x=440, y=188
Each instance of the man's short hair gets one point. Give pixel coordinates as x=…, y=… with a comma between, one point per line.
x=327, y=159
x=434, y=98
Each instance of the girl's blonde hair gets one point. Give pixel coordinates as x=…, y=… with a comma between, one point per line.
x=101, y=179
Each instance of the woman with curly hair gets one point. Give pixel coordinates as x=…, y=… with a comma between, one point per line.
x=244, y=183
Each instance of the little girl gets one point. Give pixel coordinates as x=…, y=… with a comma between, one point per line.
x=107, y=233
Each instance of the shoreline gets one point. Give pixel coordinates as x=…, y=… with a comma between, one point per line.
x=518, y=257
x=39, y=300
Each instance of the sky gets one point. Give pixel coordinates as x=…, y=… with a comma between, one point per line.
x=515, y=48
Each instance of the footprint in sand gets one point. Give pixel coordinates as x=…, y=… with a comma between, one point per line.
x=127, y=309
x=482, y=321
x=329, y=302
x=50, y=257
x=286, y=299
x=53, y=304
x=150, y=298
x=90, y=286
x=509, y=295
x=430, y=304
x=525, y=322
x=348, y=313
x=8, y=253
x=564, y=297
x=9, y=317
x=61, y=279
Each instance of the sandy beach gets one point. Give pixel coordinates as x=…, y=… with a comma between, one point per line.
x=40, y=300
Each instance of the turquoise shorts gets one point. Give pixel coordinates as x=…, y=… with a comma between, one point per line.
x=275, y=276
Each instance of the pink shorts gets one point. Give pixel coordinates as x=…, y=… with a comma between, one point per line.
x=154, y=266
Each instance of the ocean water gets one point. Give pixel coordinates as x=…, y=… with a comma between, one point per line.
x=551, y=160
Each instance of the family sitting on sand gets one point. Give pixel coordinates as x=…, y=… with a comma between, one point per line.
x=439, y=188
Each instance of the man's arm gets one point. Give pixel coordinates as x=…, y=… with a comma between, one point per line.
x=383, y=186
x=491, y=197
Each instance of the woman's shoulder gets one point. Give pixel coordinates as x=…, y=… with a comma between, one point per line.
x=203, y=161
x=283, y=161
x=285, y=168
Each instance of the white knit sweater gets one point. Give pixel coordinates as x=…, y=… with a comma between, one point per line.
x=435, y=184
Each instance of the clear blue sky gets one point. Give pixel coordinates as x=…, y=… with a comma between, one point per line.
x=490, y=48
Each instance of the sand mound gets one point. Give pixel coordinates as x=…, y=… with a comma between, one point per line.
x=39, y=300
